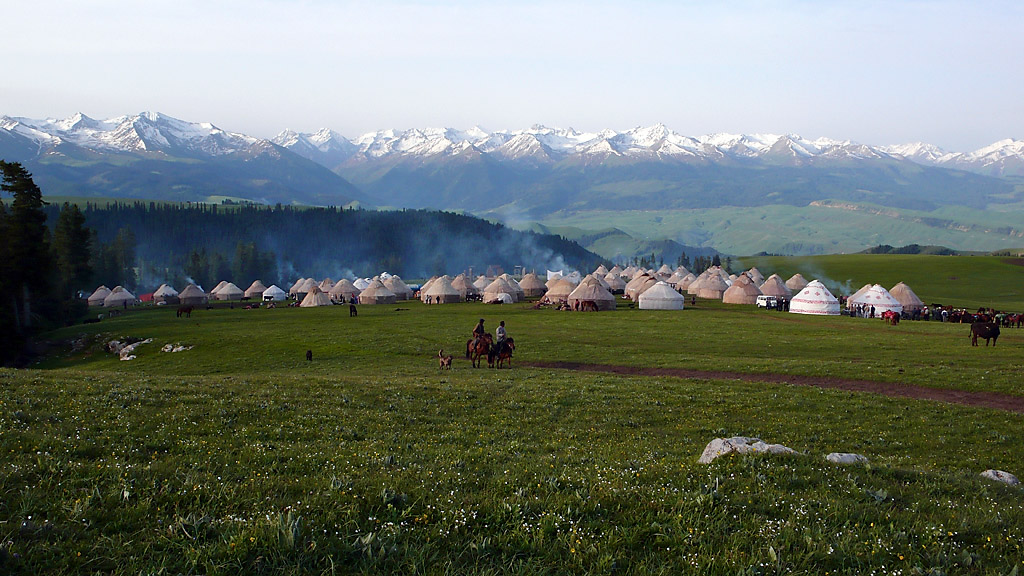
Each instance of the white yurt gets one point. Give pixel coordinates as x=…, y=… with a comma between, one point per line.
x=519, y=293
x=616, y=285
x=193, y=295
x=500, y=286
x=295, y=287
x=661, y=296
x=466, y=288
x=361, y=283
x=814, y=299
x=441, y=291
x=118, y=297
x=591, y=290
x=878, y=297
x=742, y=291
x=229, y=292
x=532, y=286
x=97, y=297
x=756, y=276
x=401, y=289
x=481, y=282
x=559, y=292
x=774, y=286
x=426, y=286
x=601, y=271
x=218, y=287
x=377, y=293
x=165, y=295
x=344, y=290
x=274, y=294
x=325, y=285
x=685, y=281
x=712, y=288
x=315, y=297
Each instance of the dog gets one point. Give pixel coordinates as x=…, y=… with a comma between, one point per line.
x=352, y=310
x=309, y=355
x=444, y=362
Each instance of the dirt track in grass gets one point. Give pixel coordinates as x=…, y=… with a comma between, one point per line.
x=991, y=400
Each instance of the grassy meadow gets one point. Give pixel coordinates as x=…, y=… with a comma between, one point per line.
x=239, y=456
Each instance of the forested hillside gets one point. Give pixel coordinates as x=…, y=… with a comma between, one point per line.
x=208, y=243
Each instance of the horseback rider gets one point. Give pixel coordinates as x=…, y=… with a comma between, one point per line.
x=478, y=332
x=500, y=334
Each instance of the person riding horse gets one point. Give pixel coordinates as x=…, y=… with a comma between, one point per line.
x=499, y=334
x=478, y=331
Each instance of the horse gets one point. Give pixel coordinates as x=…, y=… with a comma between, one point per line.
x=503, y=352
x=984, y=330
x=481, y=348
x=890, y=317
x=185, y=311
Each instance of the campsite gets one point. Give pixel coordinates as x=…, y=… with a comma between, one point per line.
x=237, y=454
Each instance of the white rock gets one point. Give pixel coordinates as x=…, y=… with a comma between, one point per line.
x=740, y=445
x=846, y=458
x=1000, y=476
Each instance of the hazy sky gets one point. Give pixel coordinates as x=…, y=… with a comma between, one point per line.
x=945, y=72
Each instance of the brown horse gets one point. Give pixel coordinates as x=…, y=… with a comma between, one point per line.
x=479, y=349
x=503, y=352
x=185, y=311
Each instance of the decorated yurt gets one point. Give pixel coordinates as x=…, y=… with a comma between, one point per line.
x=814, y=299
x=466, y=288
x=441, y=291
x=877, y=297
x=274, y=294
x=902, y=293
x=165, y=295
x=616, y=285
x=315, y=297
x=481, y=282
x=661, y=296
x=774, y=286
x=97, y=297
x=500, y=286
x=192, y=295
x=118, y=297
x=229, y=292
x=560, y=291
x=743, y=291
x=377, y=293
x=532, y=286
x=796, y=282
x=591, y=290
x=344, y=291
x=756, y=276
x=401, y=289
x=713, y=287
x=863, y=290
x=255, y=290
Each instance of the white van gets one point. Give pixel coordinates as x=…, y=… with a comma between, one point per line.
x=765, y=301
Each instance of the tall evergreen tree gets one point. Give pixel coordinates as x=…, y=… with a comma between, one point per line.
x=71, y=250
x=28, y=249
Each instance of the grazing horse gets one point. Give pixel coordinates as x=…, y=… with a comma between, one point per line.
x=185, y=311
x=503, y=352
x=890, y=317
x=984, y=330
x=479, y=349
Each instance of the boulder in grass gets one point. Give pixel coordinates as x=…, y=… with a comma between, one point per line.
x=1000, y=476
x=846, y=458
x=740, y=445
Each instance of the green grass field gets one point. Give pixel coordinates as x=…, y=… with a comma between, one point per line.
x=239, y=456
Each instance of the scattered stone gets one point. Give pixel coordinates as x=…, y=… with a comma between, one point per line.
x=175, y=348
x=1000, y=476
x=740, y=445
x=125, y=349
x=846, y=458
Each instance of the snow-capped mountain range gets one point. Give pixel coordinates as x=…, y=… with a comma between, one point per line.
x=150, y=132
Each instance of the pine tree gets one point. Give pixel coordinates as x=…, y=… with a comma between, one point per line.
x=71, y=250
x=28, y=250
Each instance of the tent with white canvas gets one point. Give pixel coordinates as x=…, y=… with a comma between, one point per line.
x=97, y=297
x=875, y=297
x=118, y=298
x=814, y=299
x=193, y=295
x=377, y=293
x=774, y=286
x=532, y=286
x=591, y=290
x=661, y=296
x=165, y=295
x=255, y=290
x=906, y=296
x=742, y=291
x=274, y=294
x=229, y=292
x=796, y=282
x=315, y=297
x=441, y=291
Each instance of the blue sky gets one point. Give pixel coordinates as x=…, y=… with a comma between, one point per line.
x=888, y=72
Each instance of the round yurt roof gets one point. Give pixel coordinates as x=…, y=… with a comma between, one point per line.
x=230, y=290
x=118, y=296
x=682, y=271
x=646, y=282
x=665, y=270
x=325, y=285
x=377, y=293
x=274, y=292
x=481, y=282
x=515, y=286
x=401, y=289
x=685, y=281
x=863, y=290
x=814, y=299
x=99, y=294
x=742, y=291
x=220, y=286
x=756, y=276
x=906, y=296
x=878, y=297
x=361, y=283
x=344, y=287
x=712, y=288
x=560, y=290
x=617, y=270
x=165, y=291
x=615, y=282
x=796, y=282
x=255, y=289
x=500, y=286
x=694, y=286
x=426, y=286
x=464, y=286
x=307, y=286
x=315, y=297
x=295, y=287
x=661, y=296
x=441, y=290
x=191, y=291
x=774, y=286
x=532, y=285
x=591, y=290
x=601, y=270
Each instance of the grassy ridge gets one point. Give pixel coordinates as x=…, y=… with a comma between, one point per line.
x=240, y=456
